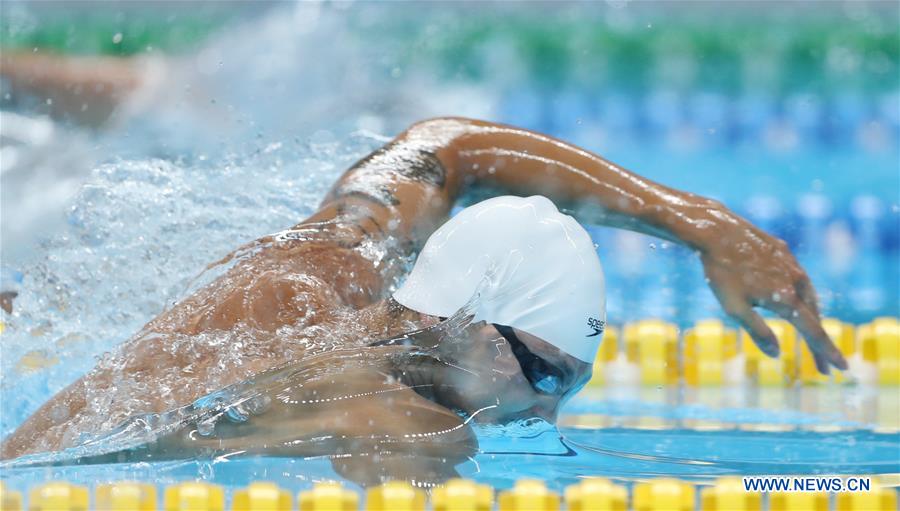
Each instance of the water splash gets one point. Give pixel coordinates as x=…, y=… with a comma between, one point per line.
x=136, y=437
x=137, y=235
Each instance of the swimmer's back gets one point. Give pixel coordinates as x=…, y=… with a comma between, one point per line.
x=179, y=355
x=286, y=283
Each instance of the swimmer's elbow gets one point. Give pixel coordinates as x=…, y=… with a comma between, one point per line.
x=442, y=132
x=432, y=124
x=444, y=137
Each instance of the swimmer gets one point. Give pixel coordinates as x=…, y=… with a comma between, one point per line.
x=86, y=90
x=421, y=364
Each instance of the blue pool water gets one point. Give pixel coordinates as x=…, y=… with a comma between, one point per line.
x=162, y=195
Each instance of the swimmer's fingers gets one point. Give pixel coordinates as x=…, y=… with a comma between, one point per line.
x=731, y=294
x=821, y=363
x=823, y=349
x=759, y=331
x=807, y=293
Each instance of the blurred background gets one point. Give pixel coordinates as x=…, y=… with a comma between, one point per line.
x=182, y=129
x=140, y=141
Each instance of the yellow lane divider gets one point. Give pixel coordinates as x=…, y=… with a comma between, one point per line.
x=798, y=501
x=395, y=496
x=261, y=497
x=598, y=493
x=609, y=351
x=593, y=494
x=664, y=494
x=462, y=495
x=194, y=496
x=704, y=354
x=880, y=345
x=653, y=346
x=9, y=500
x=126, y=496
x=707, y=348
x=328, y=497
x=529, y=495
x=727, y=494
x=879, y=498
x=58, y=495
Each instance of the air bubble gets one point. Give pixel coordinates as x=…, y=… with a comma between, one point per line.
x=236, y=414
x=206, y=427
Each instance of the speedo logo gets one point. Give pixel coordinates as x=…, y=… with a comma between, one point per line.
x=598, y=325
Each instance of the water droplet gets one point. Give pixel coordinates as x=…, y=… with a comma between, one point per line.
x=206, y=471
x=236, y=414
x=776, y=297
x=117, y=38
x=206, y=427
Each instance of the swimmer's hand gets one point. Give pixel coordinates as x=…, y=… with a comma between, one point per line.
x=748, y=268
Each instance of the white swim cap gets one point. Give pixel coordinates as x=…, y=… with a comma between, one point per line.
x=536, y=270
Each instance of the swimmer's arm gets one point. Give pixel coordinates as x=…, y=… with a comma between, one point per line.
x=393, y=432
x=532, y=163
x=405, y=190
x=42, y=430
x=85, y=89
x=414, y=179
x=746, y=267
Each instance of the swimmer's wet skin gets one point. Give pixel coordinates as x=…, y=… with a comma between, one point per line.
x=413, y=396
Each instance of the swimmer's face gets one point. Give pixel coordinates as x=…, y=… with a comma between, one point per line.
x=505, y=374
